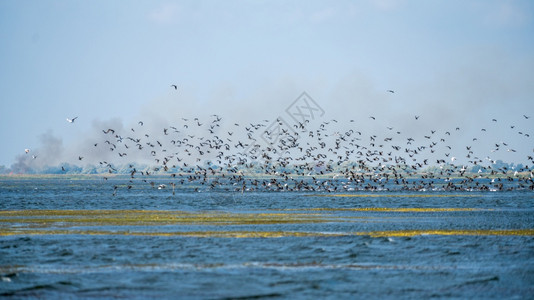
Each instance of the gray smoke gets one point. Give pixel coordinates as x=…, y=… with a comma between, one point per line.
x=49, y=153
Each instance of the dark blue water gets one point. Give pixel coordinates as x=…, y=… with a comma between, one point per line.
x=348, y=266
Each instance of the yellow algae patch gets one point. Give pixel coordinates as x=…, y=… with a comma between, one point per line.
x=273, y=234
x=399, y=209
x=201, y=234
x=475, y=232
x=65, y=218
x=67, y=212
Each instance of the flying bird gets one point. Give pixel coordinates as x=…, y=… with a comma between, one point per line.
x=174, y=86
x=373, y=158
x=72, y=120
x=391, y=91
x=27, y=150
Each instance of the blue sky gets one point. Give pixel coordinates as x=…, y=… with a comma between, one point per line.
x=452, y=62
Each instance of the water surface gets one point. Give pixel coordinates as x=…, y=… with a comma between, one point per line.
x=74, y=239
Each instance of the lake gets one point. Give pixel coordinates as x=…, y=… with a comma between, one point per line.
x=63, y=238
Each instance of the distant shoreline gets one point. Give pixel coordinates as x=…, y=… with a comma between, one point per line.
x=255, y=176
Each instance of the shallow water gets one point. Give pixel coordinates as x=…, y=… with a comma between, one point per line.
x=148, y=243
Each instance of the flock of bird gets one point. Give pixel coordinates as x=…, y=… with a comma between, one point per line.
x=271, y=156
x=274, y=156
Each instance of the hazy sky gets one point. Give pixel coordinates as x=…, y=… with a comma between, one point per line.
x=454, y=63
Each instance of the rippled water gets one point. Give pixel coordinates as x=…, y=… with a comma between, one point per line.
x=224, y=245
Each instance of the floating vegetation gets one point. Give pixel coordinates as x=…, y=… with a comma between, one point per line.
x=65, y=218
x=200, y=234
x=398, y=209
x=477, y=232
x=69, y=222
x=271, y=234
